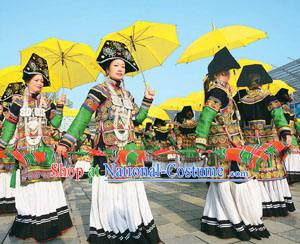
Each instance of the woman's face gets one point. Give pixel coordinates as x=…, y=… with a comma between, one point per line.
x=223, y=76
x=116, y=69
x=36, y=84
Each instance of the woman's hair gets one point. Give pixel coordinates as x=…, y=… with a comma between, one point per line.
x=28, y=77
x=106, y=66
x=206, y=86
x=210, y=76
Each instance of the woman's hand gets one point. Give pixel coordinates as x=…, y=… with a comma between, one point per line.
x=62, y=99
x=61, y=150
x=149, y=93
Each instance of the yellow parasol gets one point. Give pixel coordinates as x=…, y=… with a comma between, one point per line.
x=177, y=103
x=276, y=85
x=197, y=97
x=207, y=45
x=149, y=43
x=70, y=64
x=156, y=112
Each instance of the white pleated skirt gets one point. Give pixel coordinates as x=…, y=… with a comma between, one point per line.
x=276, y=198
x=292, y=167
x=7, y=194
x=42, y=211
x=119, y=212
x=234, y=210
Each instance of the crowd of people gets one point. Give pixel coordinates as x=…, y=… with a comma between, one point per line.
x=120, y=212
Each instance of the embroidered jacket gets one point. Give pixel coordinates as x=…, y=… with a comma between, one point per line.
x=32, y=170
x=186, y=140
x=262, y=117
x=294, y=126
x=186, y=133
x=115, y=110
x=262, y=121
x=163, y=139
x=53, y=118
x=218, y=125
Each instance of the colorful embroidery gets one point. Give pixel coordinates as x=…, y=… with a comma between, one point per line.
x=202, y=141
x=90, y=104
x=254, y=96
x=213, y=103
x=12, y=118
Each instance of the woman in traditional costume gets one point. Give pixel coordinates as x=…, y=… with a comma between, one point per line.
x=7, y=164
x=120, y=212
x=231, y=209
x=164, y=144
x=7, y=194
x=263, y=121
x=148, y=136
x=292, y=162
x=186, y=138
x=148, y=142
x=42, y=211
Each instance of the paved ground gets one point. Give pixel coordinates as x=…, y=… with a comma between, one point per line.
x=177, y=208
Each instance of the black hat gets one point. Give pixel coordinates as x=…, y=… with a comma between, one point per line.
x=112, y=50
x=159, y=122
x=254, y=74
x=37, y=65
x=179, y=117
x=187, y=109
x=222, y=61
x=283, y=95
x=12, y=89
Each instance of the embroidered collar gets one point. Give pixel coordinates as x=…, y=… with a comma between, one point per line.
x=114, y=83
x=188, y=123
x=254, y=96
x=225, y=86
x=162, y=129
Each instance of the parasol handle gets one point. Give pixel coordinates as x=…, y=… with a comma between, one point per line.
x=144, y=80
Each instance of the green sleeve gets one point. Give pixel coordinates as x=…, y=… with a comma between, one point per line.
x=77, y=127
x=280, y=122
x=142, y=112
x=297, y=127
x=203, y=127
x=172, y=141
x=142, y=115
x=56, y=120
x=8, y=131
x=80, y=123
x=56, y=137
